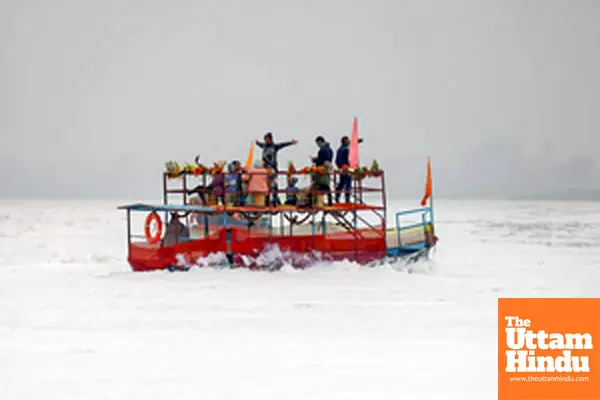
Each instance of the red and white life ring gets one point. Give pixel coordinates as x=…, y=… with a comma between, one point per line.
x=153, y=217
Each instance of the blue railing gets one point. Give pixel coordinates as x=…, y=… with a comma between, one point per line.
x=426, y=219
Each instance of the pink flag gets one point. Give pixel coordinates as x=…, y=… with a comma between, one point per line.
x=428, y=184
x=354, y=145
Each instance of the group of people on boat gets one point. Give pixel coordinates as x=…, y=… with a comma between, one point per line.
x=260, y=180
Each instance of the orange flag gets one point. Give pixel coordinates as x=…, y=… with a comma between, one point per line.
x=250, y=156
x=354, y=145
x=428, y=184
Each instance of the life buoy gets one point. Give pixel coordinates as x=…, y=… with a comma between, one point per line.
x=152, y=239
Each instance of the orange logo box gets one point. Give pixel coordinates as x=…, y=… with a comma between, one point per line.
x=548, y=349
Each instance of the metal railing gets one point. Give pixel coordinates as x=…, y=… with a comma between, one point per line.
x=357, y=190
x=426, y=220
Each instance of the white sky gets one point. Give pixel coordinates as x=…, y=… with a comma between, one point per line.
x=96, y=95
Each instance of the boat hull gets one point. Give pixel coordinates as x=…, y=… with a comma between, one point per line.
x=241, y=248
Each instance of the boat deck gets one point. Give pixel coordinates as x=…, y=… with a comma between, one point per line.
x=249, y=209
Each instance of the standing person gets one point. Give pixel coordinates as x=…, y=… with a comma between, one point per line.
x=323, y=159
x=273, y=188
x=270, y=149
x=269, y=154
x=342, y=159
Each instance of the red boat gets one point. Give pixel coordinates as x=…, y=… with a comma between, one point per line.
x=179, y=236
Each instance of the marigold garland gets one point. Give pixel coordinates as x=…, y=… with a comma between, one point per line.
x=200, y=170
x=375, y=170
x=215, y=170
x=174, y=170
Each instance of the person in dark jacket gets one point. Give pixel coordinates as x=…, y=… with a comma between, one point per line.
x=269, y=154
x=325, y=153
x=342, y=159
x=176, y=231
x=270, y=149
x=323, y=159
x=273, y=198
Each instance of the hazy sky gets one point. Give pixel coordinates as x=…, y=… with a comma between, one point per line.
x=95, y=96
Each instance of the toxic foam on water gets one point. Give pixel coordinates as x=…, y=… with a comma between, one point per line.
x=272, y=258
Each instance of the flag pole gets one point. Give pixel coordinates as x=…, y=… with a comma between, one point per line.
x=431, y=197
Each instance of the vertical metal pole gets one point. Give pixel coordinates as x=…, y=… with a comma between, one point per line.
x=165, y=194
x=314, y=226
x=205, y=217
x=431, y=206
x=337, y=195
x=184, y=188
x=270, y=224
x=128, y=233
x=312, y=192
x=228, y=240
x=355, y=215
x=398, y=229
x=360, y=190
x=431, y=197
x=323, y=224
x=384, y=201
x=355, y=190
x=203, y=188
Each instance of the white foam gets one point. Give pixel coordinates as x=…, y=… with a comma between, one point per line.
x=75, y=322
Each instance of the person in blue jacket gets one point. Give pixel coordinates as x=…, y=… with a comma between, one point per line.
x=342, y=158
x=291, y=192
x=325, y=154
x=233, y=184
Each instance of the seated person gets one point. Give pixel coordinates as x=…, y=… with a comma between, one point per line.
x=233, y=184
x=291, y=192
x=202, y=191
x=239, y=170
x=218, y=184
x=175, y=231
x=216, y=187
x=304, y=198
